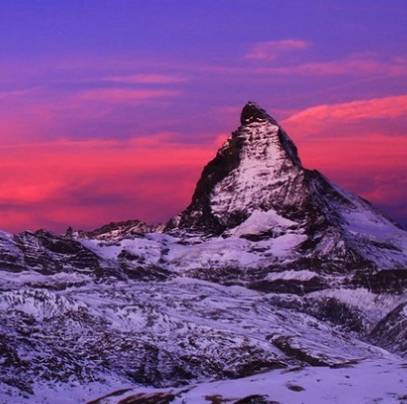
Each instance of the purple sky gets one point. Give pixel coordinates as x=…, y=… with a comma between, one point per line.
x=110, y=109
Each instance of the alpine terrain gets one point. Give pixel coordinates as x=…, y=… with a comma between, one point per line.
x=273, y=286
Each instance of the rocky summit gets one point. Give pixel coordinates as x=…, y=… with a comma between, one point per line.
x=272, y=270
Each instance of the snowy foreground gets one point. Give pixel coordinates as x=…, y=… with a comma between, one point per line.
x=380, y=381
x=77, y=341
x=383, y=381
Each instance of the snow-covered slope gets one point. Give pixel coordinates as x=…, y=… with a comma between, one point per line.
x=271, y=271
x=62, y=331
x=368, y=382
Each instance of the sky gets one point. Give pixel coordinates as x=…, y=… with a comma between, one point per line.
x=110, y=109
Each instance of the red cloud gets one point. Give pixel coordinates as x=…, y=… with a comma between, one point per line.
x=89, y=183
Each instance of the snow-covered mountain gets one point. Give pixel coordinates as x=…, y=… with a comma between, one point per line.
x=256, y=188
x=271, y=268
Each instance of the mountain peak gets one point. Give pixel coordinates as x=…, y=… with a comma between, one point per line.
x=275, y=136
x=256, y=162
x=251, y=113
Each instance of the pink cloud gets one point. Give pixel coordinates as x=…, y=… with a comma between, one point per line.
x=17, y=94
x=314, y=119
x=146, y=79
x=114, y=95
x=354, y=64
x=271, y=50
x=28, y=116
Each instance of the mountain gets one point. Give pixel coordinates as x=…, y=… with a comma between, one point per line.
x=256, y=187
x=271, y=269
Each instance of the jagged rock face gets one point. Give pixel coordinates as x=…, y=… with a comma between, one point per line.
x=113, y=230
x=391, y=332
x=258, y=161
x=258, y=169
x=45, y=253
